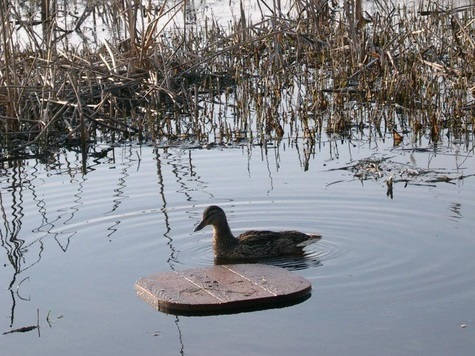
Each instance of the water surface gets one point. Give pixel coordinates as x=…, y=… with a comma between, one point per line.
x=390, y=276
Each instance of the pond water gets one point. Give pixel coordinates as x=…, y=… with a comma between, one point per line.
x=390, y=276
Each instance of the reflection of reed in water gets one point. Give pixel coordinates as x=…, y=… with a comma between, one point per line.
x=172, y=258
x=185, y=174
x=10, y=231
x=119, y=195
x=177, y=168
x=21, y=255
x=47, y=225
x=180, y=335
x=456, y=210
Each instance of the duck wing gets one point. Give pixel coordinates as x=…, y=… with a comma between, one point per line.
x=258, y=236
x=271, y=243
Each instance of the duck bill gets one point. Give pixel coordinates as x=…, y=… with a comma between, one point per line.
x=201, y=225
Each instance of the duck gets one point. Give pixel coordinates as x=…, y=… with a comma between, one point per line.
x=251, y=245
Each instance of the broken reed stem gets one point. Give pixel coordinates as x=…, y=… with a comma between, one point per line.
x=79, y=110
x=10, y=75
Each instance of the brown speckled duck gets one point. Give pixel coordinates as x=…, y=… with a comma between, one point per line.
x=251, y=244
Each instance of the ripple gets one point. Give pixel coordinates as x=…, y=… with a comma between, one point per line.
x=357, y=252
x=366, y=247
x=370, y=246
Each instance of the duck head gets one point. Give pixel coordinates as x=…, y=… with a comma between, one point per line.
x=213, y=215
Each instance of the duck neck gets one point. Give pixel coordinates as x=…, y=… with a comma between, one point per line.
x=223, y=237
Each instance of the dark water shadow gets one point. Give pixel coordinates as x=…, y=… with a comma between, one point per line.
x=290, y=263
x=257, y=305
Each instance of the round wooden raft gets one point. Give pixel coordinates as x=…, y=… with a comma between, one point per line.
x=223, y=289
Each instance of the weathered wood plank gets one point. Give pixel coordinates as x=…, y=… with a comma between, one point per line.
x=277, y=281
x=222, y=288
x=169, y=289
x=226, y=285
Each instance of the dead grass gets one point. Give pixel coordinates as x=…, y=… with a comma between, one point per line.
x=292, y=74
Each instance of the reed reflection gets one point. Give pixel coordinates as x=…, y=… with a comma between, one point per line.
x=21, y=184
x=66, y=215
x=172, y=257
x=456, y=211
x=11, y=228
x=119, y=191
x=189, y=181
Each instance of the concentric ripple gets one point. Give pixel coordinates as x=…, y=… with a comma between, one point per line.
x=92, y=236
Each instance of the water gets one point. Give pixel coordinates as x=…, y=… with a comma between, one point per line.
x=390, y=276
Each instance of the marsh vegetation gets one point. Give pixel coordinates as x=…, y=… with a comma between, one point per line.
x=72, y=74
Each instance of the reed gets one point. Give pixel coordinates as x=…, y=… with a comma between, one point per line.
x=304, y=67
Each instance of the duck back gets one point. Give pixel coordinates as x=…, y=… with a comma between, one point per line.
x=261, y=244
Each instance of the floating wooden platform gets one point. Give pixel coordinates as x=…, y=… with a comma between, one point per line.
x=223, y=289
